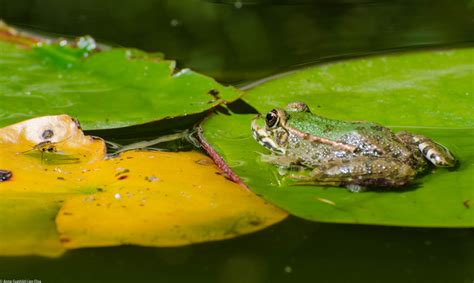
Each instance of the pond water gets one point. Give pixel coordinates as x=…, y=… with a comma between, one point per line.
x=238, y=42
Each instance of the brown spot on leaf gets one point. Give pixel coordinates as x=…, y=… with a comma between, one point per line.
x=64, y=240
x=255, y=222
x=466, y=203
x=215, y=93
x=122, y=171
x=5, y=175
x=152, y=178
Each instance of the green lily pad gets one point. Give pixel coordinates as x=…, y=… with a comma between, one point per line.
x=422, y=89
x=112, y=88
x=429, y=93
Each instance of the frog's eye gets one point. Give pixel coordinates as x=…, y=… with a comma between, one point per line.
x=271, y=118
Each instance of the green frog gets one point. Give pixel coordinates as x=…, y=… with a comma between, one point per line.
x=316, y=150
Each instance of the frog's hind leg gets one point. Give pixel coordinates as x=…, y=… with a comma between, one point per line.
x=359, y=172
x=436, y=153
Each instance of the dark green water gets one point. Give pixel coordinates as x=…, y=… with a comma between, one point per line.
x=240, y=41
x=313, y=252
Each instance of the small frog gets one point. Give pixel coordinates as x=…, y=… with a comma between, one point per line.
x=315, y=149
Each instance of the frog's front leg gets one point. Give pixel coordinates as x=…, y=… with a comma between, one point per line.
x=434, y=152
x=279, y=160
x=359, y=172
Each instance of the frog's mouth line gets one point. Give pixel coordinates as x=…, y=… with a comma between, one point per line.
x=262, y=137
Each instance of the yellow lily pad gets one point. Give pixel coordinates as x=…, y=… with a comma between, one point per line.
x=36, y=158
x=43, y=153
x=162, y=199
x=139, y=197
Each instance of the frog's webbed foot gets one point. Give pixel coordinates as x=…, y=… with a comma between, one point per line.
x=434, y=152
x=358, y=173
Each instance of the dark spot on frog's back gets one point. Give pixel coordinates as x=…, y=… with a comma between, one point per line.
x=328, y=129
x=377, y=128
x=466, y=203
x=378, y=137
x=5, y=175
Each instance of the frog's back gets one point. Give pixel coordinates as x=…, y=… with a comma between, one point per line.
x=328, y=128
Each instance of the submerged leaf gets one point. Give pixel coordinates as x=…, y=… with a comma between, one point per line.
x=27, y=224
x=428, y=93
x=105, y=89
x=138, y=197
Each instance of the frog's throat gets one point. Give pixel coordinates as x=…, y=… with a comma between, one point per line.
x=261, y=136
x=308, y=137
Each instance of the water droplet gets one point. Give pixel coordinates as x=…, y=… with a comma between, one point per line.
x=238, y=4
x=117, y=196
x=174, y=23
x=89, y=198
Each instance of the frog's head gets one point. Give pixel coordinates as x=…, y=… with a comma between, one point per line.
x=271, y=131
